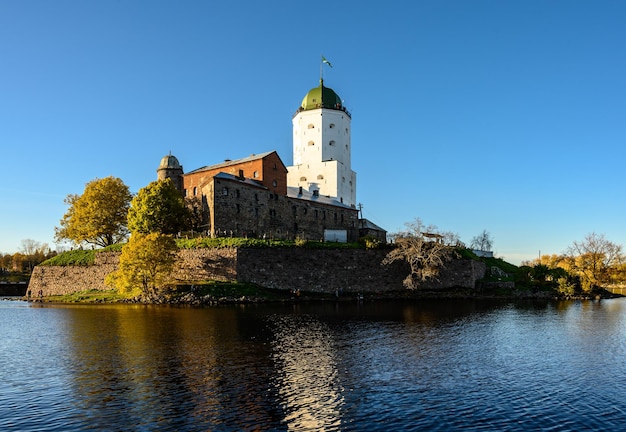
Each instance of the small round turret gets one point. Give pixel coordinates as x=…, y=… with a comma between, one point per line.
x=172, y=169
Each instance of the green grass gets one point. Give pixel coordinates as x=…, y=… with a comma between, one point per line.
x=87, y=257
x=91, y=296
x=216, y=289
x=223, y=242
x=73, y=257
x=219, y=289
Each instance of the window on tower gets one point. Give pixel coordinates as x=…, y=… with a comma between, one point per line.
x=332, y=125
x=332, y=143
x=311, y=143
x=311, y=126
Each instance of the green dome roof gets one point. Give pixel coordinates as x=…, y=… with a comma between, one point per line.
x=321, y=97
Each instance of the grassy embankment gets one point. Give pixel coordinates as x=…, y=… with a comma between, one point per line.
x=498, y=270
x=214, y=289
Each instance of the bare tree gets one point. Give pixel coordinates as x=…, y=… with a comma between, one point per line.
x=424, y=248
x=30, y=246
x=594, y=258
x=483, y=241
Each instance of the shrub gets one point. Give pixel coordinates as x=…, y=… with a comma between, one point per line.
x=370, y=242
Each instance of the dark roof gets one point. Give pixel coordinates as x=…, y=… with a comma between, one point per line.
x=228, y=163
x=366, y=223
x=246, y=181
x=294, y=192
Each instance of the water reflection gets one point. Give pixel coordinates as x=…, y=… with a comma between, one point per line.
x=162, y=367
x=328, y=366
x=306, y=378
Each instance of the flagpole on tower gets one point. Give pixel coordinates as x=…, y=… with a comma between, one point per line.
x=321, y=69
x=323, y=60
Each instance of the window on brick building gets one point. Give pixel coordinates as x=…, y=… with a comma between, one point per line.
x=195, y=191
x=302, y=178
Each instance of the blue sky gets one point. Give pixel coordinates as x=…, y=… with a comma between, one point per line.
x=508, y=116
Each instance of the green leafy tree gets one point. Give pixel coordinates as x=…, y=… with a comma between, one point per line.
x=425, y=250
x=146, y=264
x=158, y=207
x=98, y=216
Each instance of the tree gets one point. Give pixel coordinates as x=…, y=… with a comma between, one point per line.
x=594, y=259
x=158, y=207
x=423, y=248
x=483, y=241
x=98, y=216
x=146, y=264
x=34, y=252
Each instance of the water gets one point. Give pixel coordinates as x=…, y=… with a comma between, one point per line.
x=447, y=365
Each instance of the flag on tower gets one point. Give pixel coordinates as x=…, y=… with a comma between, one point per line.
x=326, y=61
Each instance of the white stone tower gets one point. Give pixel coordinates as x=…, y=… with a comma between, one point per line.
x=321, y=147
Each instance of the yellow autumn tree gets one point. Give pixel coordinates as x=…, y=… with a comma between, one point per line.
x=98, y=216
x=595, y=260
x=146, y=264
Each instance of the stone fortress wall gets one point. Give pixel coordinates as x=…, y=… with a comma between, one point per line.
x=317, y=270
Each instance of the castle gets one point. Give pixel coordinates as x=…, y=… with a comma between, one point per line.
x=258, y=196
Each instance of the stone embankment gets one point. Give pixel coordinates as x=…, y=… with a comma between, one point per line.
x=312, y=270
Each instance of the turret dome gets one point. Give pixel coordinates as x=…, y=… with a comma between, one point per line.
x=170, y=162
x=321, y=97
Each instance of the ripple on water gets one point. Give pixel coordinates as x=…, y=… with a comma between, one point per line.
x=368, y=367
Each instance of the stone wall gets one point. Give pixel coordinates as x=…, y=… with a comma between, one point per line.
x=239, y=209
x=53, y=280
x=206, y=264
x=320, y=270
x=328, y=270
